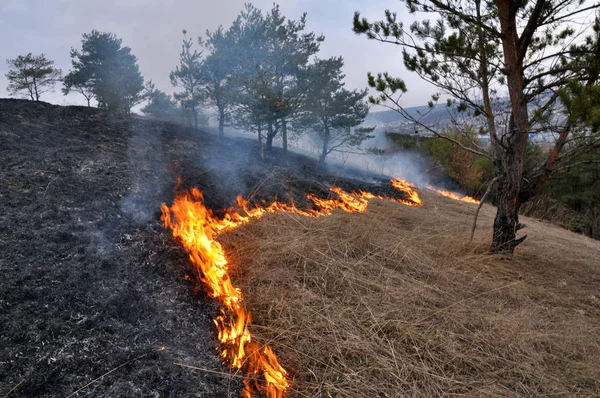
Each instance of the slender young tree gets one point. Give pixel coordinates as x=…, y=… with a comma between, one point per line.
x=216, y=71
x=33, y=74
x=188, y=76
x=480, y=51
x=83, y=86
x=332, y=111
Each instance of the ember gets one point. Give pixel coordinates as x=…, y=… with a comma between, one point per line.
x=197, y=227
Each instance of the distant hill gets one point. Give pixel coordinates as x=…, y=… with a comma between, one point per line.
x=439, y=116
x=393, y=120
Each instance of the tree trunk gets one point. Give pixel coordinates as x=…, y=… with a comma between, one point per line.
x=221, y=123
x=485, y=90
x=261, y=151
x=37, y=95
x=270, y=136
x=29, y=88
x=506, y=222
x=195, y=112
x=324, y=150
x=284, y=136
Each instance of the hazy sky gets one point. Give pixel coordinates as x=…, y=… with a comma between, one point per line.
x=152, y=28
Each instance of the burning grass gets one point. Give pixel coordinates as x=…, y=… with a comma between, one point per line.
x=393, y=303
x=197, y=228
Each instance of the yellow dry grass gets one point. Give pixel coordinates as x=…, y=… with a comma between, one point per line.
x=395, y=303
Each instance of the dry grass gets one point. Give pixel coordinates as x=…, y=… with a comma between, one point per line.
x=395, y=303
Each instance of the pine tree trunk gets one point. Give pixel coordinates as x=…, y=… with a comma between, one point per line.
x=506, y=222
x=37, y=95
x=261, y=151
x=270, y=136
x=284, y=136
x=221, y=124
x=324, y=150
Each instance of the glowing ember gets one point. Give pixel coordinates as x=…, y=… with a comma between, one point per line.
x=452, y=195
x=407, y=188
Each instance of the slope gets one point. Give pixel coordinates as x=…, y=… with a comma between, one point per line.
x=394, y=302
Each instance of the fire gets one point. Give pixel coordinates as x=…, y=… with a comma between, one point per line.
x=452, y=195
x=198, y=228
x=407, y=188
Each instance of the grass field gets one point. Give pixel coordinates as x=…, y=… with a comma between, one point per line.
x=396, y=302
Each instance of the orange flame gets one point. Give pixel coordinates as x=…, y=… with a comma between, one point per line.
x=197, y=228
x=452, y=195
x=407, y=188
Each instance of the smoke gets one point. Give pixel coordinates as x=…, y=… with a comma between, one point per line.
x=100, y=243
x=376, y=158
x=147, y=175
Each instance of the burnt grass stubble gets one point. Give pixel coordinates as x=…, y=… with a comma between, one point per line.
x=89, y=279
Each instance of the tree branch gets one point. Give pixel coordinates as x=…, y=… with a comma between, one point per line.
x=481, y=201
x=532, y=25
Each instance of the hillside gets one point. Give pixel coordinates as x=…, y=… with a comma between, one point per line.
x=395, y=302
x=90, y=279
x=97, y=299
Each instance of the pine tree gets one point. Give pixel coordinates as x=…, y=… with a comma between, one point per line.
x=332, y=111
x=478, y=51
x=160, y=105
x=188, y=76
x=33, y=74
x=216, y=71
x=83, y=86
x=272, y=54
x=106, y=69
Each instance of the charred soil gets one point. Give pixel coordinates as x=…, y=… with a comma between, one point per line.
x=92, y=285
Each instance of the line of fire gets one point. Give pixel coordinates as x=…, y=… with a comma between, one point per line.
x=198, y=229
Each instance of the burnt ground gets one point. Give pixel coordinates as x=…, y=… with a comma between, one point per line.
x=90, y=282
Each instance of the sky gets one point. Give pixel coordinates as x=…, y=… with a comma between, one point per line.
x=153, y=31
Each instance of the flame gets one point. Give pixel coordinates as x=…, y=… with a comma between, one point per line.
x=407, y=188
x=198, y=228
x=452, y=195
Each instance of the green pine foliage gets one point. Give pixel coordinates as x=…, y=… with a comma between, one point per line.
x=31, y=75
x=107, y=71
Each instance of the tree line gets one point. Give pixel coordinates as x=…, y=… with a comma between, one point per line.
x=263, y=73
x=260, y=74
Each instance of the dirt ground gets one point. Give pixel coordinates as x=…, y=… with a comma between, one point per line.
x=90, y=282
